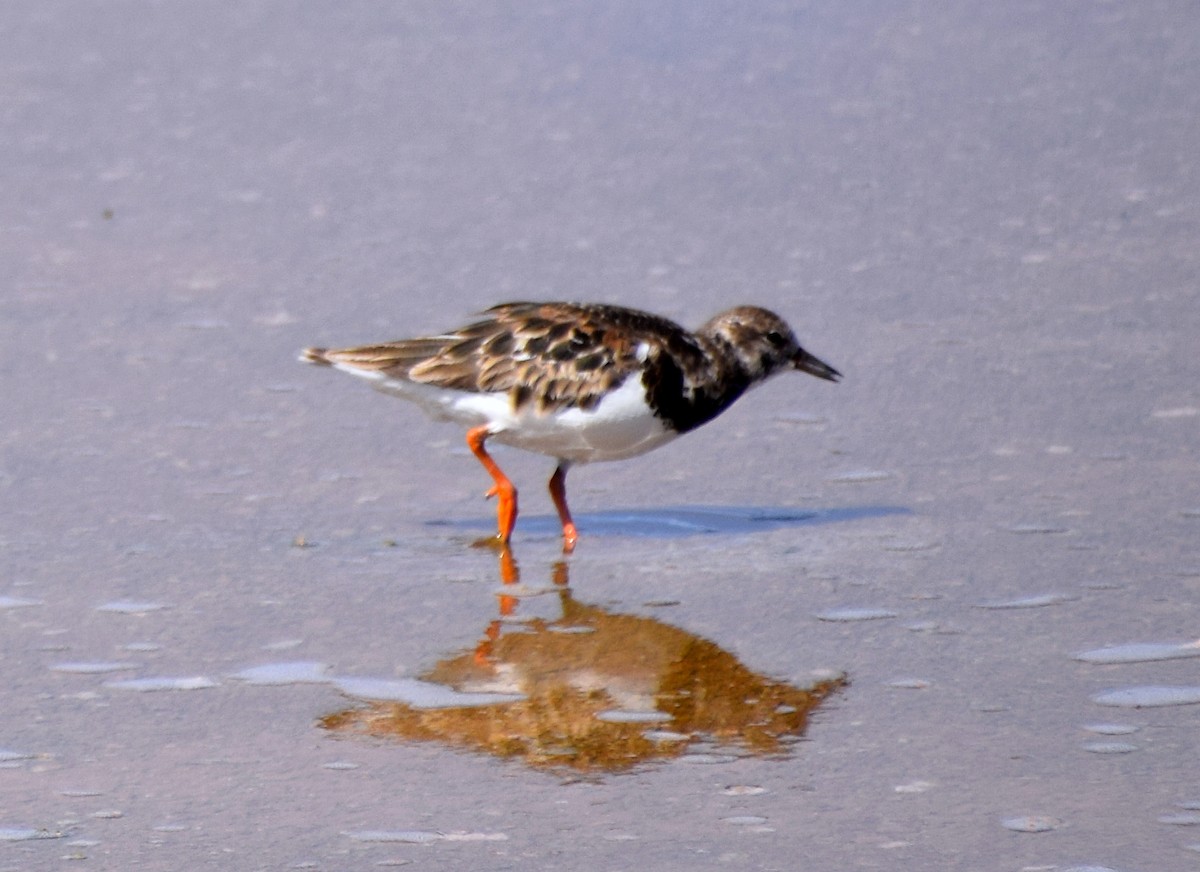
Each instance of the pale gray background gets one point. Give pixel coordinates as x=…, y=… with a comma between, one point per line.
x=985, y=214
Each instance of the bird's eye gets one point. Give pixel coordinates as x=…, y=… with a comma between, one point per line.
x=776, y=339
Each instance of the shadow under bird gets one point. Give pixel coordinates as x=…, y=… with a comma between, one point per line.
x=578, y=382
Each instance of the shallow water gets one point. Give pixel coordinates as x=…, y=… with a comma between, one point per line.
x=984, y=215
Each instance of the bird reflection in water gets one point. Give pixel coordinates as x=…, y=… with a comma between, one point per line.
x=597, y=691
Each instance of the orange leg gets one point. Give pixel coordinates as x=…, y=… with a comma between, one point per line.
x=558, y=493
x=503, y=490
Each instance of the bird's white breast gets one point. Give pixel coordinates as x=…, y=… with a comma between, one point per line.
x=621, y=425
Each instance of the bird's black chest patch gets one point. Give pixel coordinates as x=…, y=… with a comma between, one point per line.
x=683, y=399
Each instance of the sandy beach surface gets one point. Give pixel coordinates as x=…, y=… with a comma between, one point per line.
x=942, y=615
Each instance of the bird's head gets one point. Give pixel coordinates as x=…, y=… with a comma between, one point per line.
x=764, y=344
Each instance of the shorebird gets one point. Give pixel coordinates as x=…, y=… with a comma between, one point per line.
x=578, y=382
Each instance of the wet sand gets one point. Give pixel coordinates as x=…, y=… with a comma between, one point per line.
x=213, y=558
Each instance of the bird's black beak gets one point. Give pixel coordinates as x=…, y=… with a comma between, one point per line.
x=806, y=362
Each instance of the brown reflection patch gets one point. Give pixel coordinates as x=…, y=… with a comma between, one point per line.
x=604, y=692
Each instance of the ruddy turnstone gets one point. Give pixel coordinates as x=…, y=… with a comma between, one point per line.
x=577, y=382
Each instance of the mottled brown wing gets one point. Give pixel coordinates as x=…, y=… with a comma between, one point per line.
x=552, y=354
x=555, y=355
